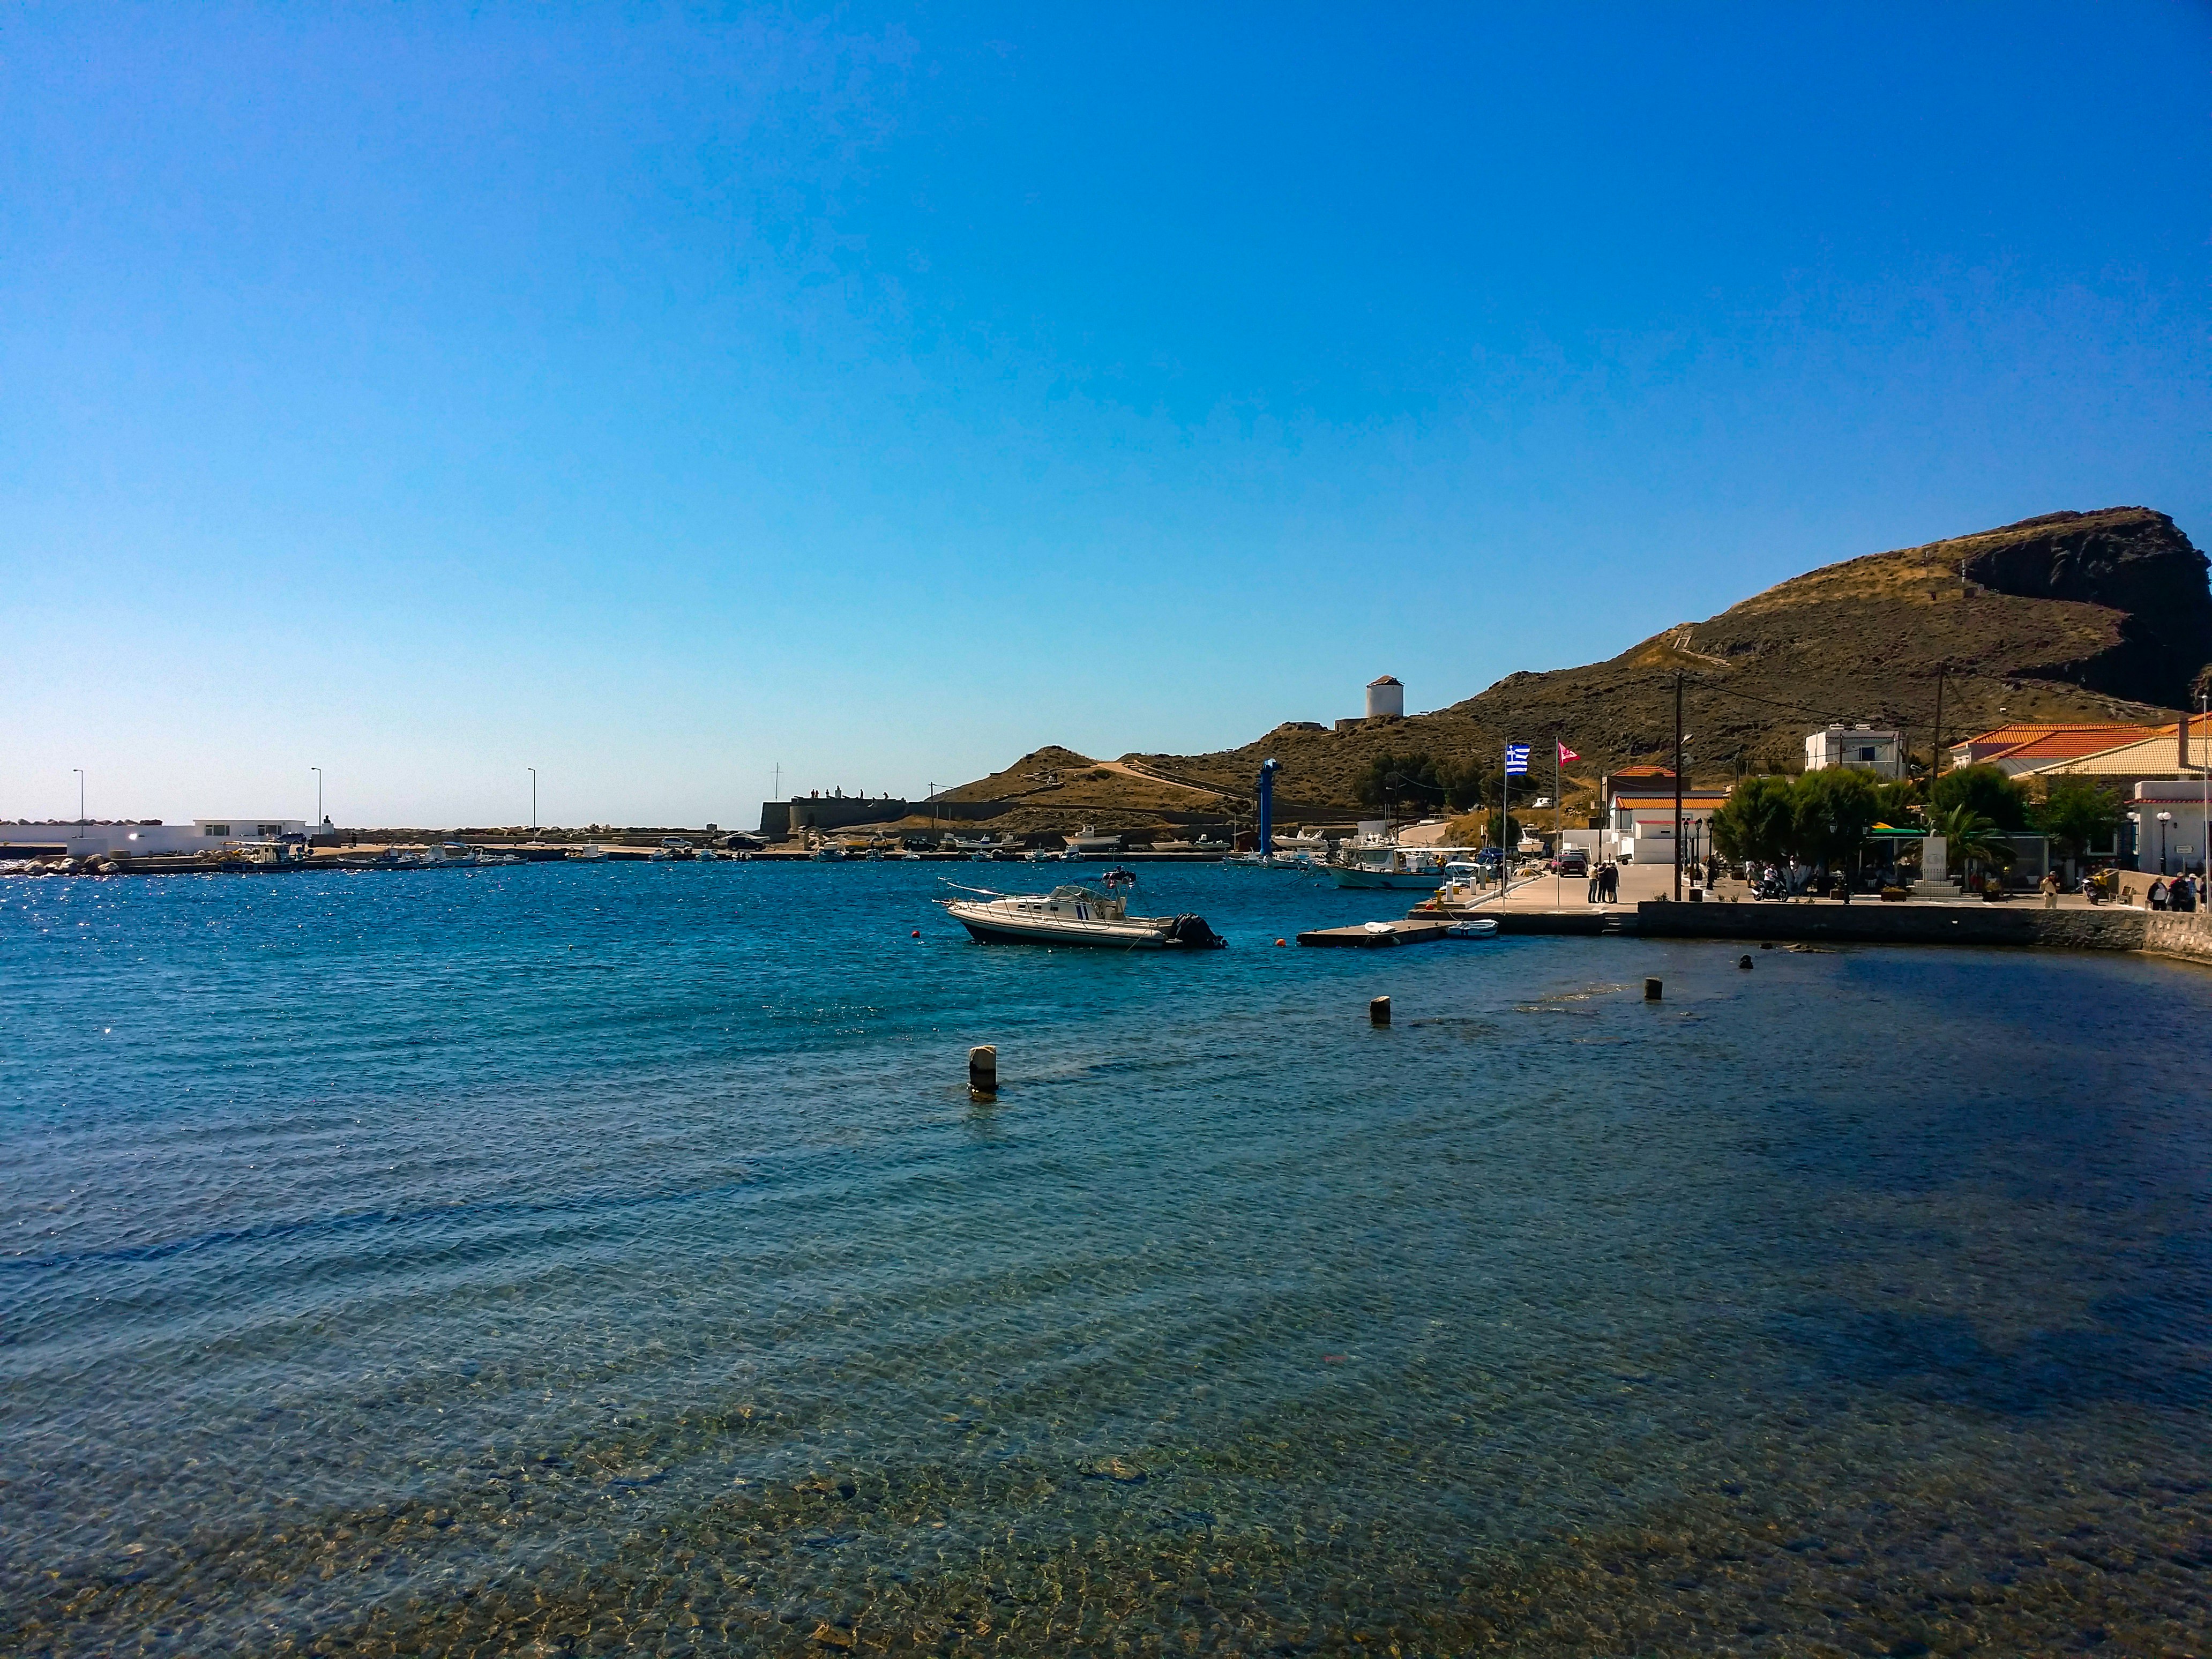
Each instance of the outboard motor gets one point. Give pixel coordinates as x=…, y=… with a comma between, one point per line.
x=1193, y=933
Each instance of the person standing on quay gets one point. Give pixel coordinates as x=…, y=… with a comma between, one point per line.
x=2050, y=885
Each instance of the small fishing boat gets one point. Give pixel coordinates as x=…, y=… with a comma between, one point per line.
x=1074, y=915
x=1386, y=864
x=591, y=854
x=1479, y=927
x=1094, y=843
x=442, y=856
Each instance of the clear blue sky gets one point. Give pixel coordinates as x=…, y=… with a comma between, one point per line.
x=655, y=397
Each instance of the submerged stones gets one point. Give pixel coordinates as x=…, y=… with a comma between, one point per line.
x=1119, y=1469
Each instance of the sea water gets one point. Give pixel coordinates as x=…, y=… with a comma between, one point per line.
x=611, y=1258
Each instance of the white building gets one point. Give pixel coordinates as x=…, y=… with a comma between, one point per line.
x=1882, y=753
x=1386, y=696
x=2169, y=820
x=1641, y=826
x=20, y=841
x=218, y=830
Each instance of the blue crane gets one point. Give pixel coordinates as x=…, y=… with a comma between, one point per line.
x=1267, y=770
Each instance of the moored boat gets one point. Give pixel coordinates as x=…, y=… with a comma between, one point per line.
x=1094, y=843
x=1386, y=865
x=1074, y=915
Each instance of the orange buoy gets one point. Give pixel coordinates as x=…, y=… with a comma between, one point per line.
x=917, y=933
x=1278, y=941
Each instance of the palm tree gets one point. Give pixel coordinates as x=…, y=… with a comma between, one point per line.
x=1970, y=838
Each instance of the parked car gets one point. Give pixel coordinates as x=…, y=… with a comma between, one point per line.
x=676, y=843
x=1574, y=861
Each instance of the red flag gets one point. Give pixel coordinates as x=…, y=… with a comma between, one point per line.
x=1566, y=753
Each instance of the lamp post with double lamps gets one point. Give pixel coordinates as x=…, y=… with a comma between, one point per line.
x=317, y=771
x=533, y=799
x=2164, y=818
x=79, y=770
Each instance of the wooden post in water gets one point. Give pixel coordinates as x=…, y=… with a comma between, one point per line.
x=1378, y=1012
x=1652, y=990
x=983, y=1069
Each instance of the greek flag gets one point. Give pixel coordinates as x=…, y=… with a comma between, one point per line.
x=1516, y=760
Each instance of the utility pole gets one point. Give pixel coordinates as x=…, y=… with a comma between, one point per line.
x=317, y=771
x=79, y=770
x=1678, y=787
x=1936, y=754
x=533, y=798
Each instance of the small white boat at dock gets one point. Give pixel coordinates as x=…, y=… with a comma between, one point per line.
x=590, y=854
x=1074, y=915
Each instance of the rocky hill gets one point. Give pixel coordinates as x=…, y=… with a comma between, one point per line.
x=2103, y=615
x=2100, y=616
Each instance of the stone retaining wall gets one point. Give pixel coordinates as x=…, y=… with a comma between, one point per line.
x=1875, y=923
x=2187, y=935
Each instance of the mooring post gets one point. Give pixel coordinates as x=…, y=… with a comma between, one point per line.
x=1378, y=1012
x=1652, y=990
x=983, y=1069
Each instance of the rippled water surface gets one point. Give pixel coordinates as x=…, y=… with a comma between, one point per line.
x=610, y=1258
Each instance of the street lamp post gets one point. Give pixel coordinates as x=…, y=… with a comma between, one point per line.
x=534, y=800
x=79, y=770
x=317, y=771
x=2164, y=818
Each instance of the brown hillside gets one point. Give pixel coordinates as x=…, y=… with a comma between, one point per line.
x=2071, y=617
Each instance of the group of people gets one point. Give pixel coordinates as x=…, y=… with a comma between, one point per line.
x=2176, y=893
x=1605, y=883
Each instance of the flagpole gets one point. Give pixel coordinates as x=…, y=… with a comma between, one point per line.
x=1559, y=831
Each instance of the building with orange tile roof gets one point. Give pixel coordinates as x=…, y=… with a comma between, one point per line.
x=2000, y=739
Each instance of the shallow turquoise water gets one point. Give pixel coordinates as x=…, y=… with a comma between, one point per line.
x=603, y=1258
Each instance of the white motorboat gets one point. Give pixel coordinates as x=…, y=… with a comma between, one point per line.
x=830, y=851
x=1074, y=914
x=1094, y=843
x=592, y=853
x=1311, y=841
x=973, y=845
x=1479, y=927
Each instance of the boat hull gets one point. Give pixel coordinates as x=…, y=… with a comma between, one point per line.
x=1411, y=880
x=1099, y=934
x=999, y=923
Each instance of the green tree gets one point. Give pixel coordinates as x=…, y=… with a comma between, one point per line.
x=1468, y=784
x=2078, y=814
x=1986, y=792
x=1390, y=779
x=1759, y=822
x=1971, y=841
x=1899, y=804
x=1835, y=808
